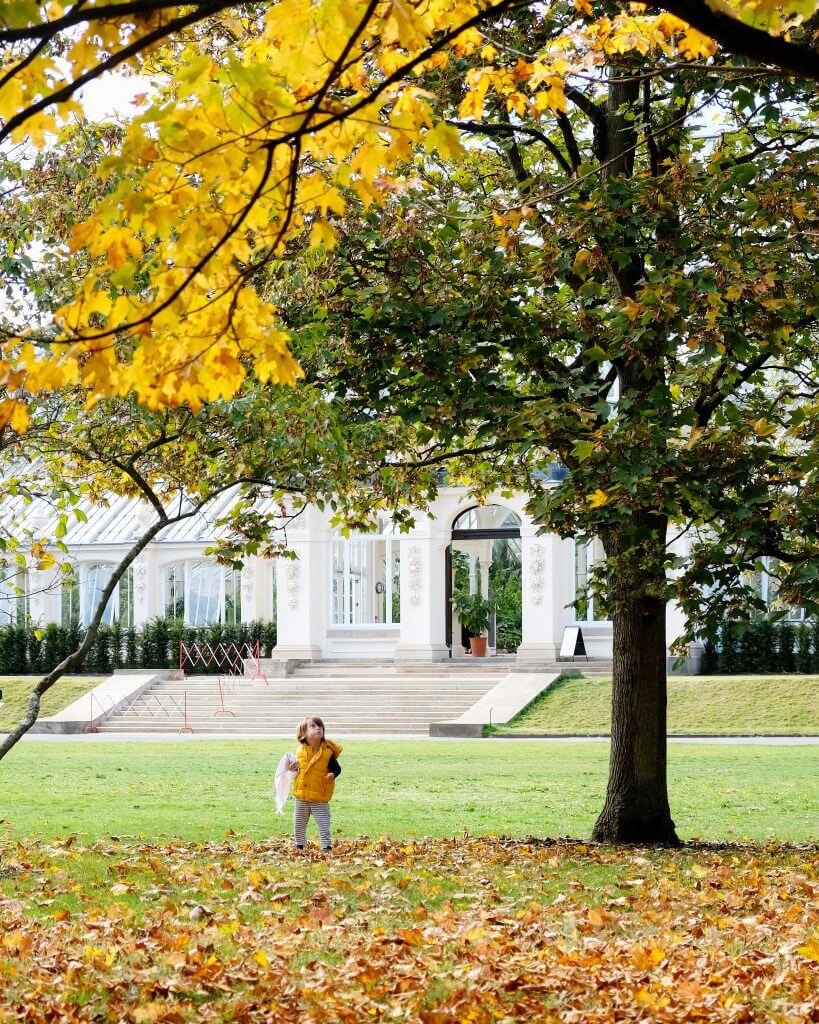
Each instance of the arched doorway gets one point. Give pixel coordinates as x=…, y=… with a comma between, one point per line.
x=484, y=557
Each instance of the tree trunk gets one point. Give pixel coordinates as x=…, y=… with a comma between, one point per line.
x=636, y=808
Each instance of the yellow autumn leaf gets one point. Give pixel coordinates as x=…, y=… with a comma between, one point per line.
x=323, y=234
x=631, y=308
x=597, y=498
x=445, y=140
x=811, y=948
x=261, y=959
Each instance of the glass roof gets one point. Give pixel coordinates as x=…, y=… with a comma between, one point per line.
x=487, y=517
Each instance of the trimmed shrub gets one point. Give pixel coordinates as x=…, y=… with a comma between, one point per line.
x=786, y=642
x=763, y=646
x=804, y=650
x=710, y=657
x=729, y=650
x=153, y=645
x=13, y=650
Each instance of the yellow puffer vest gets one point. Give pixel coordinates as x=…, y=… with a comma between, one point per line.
x=311, y=783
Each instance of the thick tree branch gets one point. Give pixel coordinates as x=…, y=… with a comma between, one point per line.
x=570, y=141
x=796, y=58
x=506, y=128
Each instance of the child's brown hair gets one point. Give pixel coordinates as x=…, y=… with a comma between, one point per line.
x=301, y=734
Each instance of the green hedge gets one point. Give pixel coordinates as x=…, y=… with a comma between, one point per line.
x=746, y=648
x=153, y=645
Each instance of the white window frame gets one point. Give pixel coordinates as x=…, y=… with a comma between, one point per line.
x=111, y=615
x=341, y=595
x=792, y=614
x=186, y=565
x=14, y=606
x=588, y=543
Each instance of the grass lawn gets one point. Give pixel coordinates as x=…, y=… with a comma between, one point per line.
x=199, y=790
x=16, y=692
x=697, y=705
x=432, y=931
x=170, y=893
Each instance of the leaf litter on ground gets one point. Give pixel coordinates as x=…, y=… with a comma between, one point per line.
x=461, y=929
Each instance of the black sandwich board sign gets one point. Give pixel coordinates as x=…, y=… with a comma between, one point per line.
x=573, y=645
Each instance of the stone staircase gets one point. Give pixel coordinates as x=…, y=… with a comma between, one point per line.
x=353, y=698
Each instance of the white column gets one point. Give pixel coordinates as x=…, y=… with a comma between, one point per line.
x=303, y=590
x=423, y=593
x=675, y=623
x=541, y=631
x=40, y=583
x=257, y=589
x=149, y=578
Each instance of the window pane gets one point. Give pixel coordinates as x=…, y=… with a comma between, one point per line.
x=175, y=591
x=233, y=596
x=338, y=582
x=125, y=603
x=93, y=580
x=599, y=555
x=70, y=601
x=487, y=517
x=395, y=576
x=581, y=579
x=14, y=599
x=204, y=584
x=365, y=589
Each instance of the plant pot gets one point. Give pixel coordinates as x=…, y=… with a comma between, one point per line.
x=477, y=645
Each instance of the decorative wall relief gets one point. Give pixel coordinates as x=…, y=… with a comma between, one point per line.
x=140, y=577
x=416, y=573
x=248, y=581
x=537, y=566
x=292, y=583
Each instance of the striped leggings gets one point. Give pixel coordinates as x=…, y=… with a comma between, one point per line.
x=301, y=815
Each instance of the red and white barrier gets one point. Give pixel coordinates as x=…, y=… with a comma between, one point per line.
x=229, y=657
x=157, y=706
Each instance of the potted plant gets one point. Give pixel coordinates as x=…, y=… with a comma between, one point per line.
x=474, y=611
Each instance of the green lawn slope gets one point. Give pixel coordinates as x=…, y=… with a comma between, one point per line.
x=697, y=705
x=16, y=692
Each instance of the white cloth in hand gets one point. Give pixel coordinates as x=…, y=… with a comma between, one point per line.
x=285, y=774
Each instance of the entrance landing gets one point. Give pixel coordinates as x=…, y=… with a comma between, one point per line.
x=353, y=699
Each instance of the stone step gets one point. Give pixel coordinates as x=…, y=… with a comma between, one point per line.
x=265, y=730
x=320, y=693
x=340, y=685
x=331, y=717
x=312, y=671
x=352, y=705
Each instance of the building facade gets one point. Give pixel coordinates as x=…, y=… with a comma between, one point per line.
x=384, y=595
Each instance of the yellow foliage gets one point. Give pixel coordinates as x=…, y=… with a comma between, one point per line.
x=234, y=154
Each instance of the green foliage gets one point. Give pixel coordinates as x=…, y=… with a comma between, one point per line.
x=473, y=611
x=803, y=659
x=762, y=646
x=153, y=645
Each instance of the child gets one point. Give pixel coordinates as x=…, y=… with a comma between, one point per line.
x=313, y=787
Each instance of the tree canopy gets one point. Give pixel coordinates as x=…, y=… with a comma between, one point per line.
x=484, y=236
x=258, y=122
x=630, y=287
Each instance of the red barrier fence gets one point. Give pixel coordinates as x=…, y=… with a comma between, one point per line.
x=226, y=685
x=105, y=703
x=164, y=706
x=230, y=658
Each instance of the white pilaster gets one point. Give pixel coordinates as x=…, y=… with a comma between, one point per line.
x=540, y=639
x=423, y=593
x=302, y=591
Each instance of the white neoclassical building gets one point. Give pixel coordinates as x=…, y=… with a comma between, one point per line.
x=381, y=595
